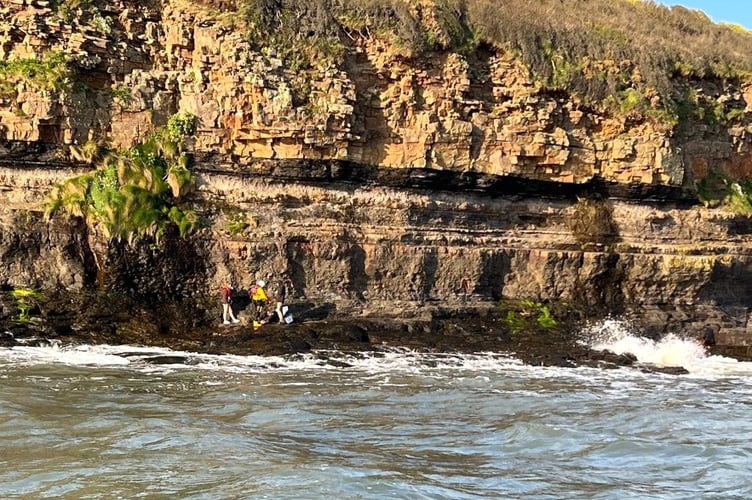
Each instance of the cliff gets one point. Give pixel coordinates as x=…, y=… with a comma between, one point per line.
x=382, y=183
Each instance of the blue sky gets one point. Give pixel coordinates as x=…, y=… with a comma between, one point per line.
x=730, y=11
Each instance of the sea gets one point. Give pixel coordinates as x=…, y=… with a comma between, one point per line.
x=106, y=422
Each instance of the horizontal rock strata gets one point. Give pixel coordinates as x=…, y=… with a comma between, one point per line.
x=382, y=186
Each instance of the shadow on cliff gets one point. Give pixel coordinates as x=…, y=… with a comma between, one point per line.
x=425, y=281
x=166, y=280
x=730, y=284
x=594, y=227
x=310, y=311
x=357, y=280
x=369, y=121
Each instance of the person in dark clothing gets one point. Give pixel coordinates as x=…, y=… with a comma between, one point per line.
x=280, y=296
x=226, y=301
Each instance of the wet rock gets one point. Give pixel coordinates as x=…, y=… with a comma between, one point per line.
x=356, y=333
x=625, y=359
x=7, y=339
x=438, y=329
x=300, y=346
x=167, y=360
x=669, y=370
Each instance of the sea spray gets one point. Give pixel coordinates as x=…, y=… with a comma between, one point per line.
x=621, y=337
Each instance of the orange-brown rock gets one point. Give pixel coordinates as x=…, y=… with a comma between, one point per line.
x=380, y=184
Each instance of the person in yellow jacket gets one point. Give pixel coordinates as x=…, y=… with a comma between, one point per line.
x=259, y=302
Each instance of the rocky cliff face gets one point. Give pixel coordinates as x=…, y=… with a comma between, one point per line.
x=379, y=184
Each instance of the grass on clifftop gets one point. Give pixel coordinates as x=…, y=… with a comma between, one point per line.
x=624, y=54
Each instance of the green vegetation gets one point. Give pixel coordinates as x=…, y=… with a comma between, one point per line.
x=70, y=4
x=297, y=32
x=305, y=34
x=122, y=94
x=50, y=73
x=237, y=222
x=542, y=314
x=87, y=152
x=691, y=105
x=80, y=10
x=26, y=299
x=135, y=193
x=180, y=125
x=530, y=315
x=719, y=191
x=628, y=54
x=515, y=323
x=100, y=23
x=637, y=58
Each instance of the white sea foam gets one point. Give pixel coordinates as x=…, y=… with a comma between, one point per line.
x=671, y=350
x=79, y=355
x=612, y=335
x=152, y=359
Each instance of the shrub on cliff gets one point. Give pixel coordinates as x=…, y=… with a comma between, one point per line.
x=134, y=193
x=48, y=73
x=26, y=299
x=299, y=32
x=528, y=315
x=717, y=190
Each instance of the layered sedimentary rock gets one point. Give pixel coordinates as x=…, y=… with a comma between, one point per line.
x=379, y=185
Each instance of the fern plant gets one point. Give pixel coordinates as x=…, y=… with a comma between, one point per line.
x=134, y=193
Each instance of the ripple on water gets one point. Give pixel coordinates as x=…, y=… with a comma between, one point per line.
x=392, y=427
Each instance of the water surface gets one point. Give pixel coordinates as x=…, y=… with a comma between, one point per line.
x=100, y=422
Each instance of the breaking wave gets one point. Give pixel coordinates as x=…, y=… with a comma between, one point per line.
x=612, y=335
x=620, y=337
